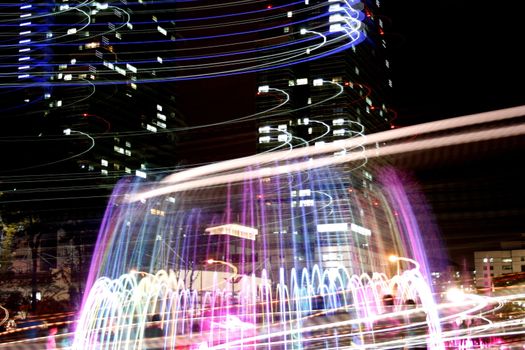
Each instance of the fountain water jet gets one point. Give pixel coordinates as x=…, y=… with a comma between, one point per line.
x=313, y=277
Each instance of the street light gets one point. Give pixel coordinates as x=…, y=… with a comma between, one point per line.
x=230, y=265
x=397, y=259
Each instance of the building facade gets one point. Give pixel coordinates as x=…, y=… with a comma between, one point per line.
x=333, y=216
x=83, y=98
x=494, y=264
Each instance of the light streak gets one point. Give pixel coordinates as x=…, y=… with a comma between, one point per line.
x=175, y=182
x=174, y=67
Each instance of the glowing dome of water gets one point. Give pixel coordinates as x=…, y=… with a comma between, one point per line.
x=295, y=260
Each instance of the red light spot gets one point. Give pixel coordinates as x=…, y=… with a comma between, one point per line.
x=381, y=32
x=269, y=6
x=84, y=115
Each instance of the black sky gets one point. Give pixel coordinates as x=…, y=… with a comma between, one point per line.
x=455, y=58
x=458, y=58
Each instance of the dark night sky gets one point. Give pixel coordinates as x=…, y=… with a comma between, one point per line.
x=455, y=58
x=452, y=59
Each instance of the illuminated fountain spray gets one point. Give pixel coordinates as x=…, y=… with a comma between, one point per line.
x=297, y=260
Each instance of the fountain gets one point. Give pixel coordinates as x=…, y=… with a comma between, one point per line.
x=289, y=261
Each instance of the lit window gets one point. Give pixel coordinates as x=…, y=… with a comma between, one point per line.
x=282, y=138
x=151, y=128
x=306, y=203
x=131, y=68
x=264, y=139
x=339, y=121
x=282, y=127
x=336, y=17
x=334, y=8
x=104, y=172
x=339, y=132
x=162, y=30
x=264, y=129
x=303, y=193
x=302, y=81
x=334, y=28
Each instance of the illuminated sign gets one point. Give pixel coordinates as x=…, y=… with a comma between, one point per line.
x=339, y=227
x=234, y=230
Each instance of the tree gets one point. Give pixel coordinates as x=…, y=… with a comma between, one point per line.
x=7, y=235
x=33, y=231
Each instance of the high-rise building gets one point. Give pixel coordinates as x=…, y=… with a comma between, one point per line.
x=90, y=68
x=333, y=216
x=82, y=106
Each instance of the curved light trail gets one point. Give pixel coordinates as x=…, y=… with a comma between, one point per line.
x=248, y=49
